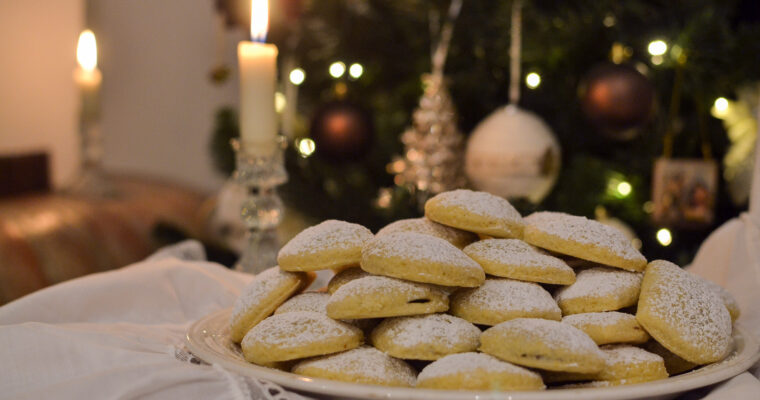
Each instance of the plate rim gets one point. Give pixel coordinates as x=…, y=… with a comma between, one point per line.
x=202, y=329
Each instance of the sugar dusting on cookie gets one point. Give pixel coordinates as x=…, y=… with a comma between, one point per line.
x=383, y=284
x=362, y=363
x=507, y=295
x=428, y=227
x=607, y=318
x=298, y=328
x=690, y=307
x=261, y=286
x=418, y=247
x=516, y=252
x=433, y=328
x=330, y=234
x=553, y=334
x=599, y=282
x=585, y=231
x=472, y=362
x=479, y=203
x=626, y=354
x=310, y=301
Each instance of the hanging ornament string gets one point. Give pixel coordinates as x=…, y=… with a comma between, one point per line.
x=442, y=47
x=515, y=48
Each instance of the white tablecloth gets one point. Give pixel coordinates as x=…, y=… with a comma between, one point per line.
x=118, y=335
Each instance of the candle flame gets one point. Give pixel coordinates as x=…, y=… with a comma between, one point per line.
x=87, y=51
x=259, y=20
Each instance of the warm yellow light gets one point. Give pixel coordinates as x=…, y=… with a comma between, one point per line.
x=624, y=188
x=657, y=60
x=87, y=51
x=533, y=80
x=259, y=20
x=306, y=147
x=657, y=47
x=664, y=237
x=297, y=76
x=721, y=104
x=355, y=70
x=337, y=69
x=279, y=102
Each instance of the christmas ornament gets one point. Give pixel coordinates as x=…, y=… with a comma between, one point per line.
x=513, y=154
x=617, y=98
x=341, y=131
x=432, y=160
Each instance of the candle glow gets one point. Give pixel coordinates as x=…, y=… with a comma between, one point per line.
x=87, y=51
x=259, y=20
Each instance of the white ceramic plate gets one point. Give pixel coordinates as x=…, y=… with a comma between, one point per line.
x=209, y=339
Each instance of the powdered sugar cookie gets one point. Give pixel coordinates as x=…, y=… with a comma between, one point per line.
x=623, y=365
x=262, y=296
x=599, y=289
x=330, y=244
x=674, y=364
x=420, y=258
x=545, y=344
x=425, y=337
x=500, y=300
x=582, y=238
x=515, y=259
x=457, y=237
x=361, y=365
x=381, y=296
x=345, y=276
x=298, y=334
x=477, y=371
x=478, y=212
x=609, y=327
x=309, y=301
x=684, y=314
x=728, y=299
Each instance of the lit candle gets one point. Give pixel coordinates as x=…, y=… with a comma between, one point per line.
x=87, y=75
x=258, y=71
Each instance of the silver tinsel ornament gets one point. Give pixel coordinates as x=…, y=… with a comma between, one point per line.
x=433, y=145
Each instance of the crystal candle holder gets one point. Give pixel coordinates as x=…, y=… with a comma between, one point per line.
x=260, y=172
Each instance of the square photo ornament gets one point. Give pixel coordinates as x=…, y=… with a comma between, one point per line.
x=684, y=192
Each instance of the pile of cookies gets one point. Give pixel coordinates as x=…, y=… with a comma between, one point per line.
x=475, y=297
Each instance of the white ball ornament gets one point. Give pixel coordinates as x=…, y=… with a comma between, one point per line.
x=514, y=154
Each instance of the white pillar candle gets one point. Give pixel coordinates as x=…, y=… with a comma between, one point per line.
x=257, y=63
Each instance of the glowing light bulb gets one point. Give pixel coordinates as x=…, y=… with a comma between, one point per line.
x=532, y=80
x=306, y=147
x=297, y=76
x=664, y=237
x=337, y=69
x=624, y=189
x=721, y=104
x=355, y=70
x=657, y=47
x=279, y=102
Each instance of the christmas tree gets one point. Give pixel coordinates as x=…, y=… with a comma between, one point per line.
x=370, y=54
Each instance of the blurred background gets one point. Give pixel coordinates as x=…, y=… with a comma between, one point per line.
x=641, y=114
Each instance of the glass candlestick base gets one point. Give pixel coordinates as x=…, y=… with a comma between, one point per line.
x=260, y=172
x=92, y=181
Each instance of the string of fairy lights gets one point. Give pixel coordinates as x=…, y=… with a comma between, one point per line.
x=617, y=186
